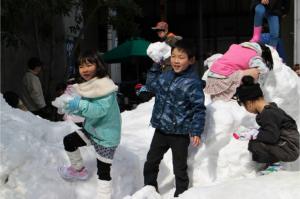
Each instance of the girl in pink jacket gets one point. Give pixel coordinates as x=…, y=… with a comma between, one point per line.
x=225, y=74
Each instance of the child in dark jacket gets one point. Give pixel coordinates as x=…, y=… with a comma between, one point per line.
x=178, y=115
x=277, y=139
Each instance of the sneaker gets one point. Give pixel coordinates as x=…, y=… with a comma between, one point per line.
x=70, y=173
x=275, y=167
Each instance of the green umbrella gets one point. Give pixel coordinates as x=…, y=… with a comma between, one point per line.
x=130, y=48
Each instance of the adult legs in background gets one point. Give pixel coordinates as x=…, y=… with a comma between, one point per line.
x=273, y=22
x=260, y=12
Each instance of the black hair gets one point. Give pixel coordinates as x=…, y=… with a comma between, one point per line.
x=11, y=98
x=34, y=62
x=94, y=57
x=248, y=90
x=61, y=86
x=185, y=46
x=74, y=78
x=266, y=55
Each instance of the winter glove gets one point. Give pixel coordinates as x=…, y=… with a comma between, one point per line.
x=142, y=89
x=60, y=101
x=245, y=134
x=73, y=104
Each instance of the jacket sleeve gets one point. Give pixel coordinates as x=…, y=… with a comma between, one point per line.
x=197, y=98
x=36, y=92
x=269, y=131
x=152, y=77
x=96, y=108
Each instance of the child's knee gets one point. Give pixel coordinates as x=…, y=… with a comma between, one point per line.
x=260, y=10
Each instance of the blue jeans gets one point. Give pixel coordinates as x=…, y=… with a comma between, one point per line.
x=273, y=21
x=265, y=38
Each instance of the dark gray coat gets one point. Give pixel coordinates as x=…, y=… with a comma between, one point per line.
x=278, y=138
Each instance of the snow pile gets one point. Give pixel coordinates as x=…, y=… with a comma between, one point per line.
x=222, y=158
x=159, y=51
x=31, y=149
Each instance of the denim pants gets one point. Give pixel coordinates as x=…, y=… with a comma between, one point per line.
x=273, y=21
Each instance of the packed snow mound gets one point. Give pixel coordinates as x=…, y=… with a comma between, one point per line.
x=159, y=51
x=221, y=157
x=269, y=186
x=32, y=148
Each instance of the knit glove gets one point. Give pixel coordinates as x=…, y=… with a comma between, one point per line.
x=73, y=104
x=245, y=134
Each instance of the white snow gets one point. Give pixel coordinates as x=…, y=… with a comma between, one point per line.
x=32, y=149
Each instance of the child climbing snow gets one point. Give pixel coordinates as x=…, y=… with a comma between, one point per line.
x=97, y=103
x=225, y=74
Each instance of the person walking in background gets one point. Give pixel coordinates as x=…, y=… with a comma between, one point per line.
x=178, y=115
x=272, y=10
x=277, y=139
x=32, y=92
x=162, y=29
x=159, y=52
x=97, y=103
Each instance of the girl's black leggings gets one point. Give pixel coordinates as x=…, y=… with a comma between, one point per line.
x=73, y=141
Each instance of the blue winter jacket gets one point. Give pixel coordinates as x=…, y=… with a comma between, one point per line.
x=179, y=101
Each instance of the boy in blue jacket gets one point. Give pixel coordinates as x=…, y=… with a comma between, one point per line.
x=178, y=115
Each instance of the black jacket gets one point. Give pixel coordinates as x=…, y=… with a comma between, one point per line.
x=278, y=128
x=276, y=7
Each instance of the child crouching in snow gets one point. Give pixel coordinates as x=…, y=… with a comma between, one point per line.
x=102, y=125
x=277, y=139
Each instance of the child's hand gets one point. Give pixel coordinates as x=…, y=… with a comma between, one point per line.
x=73, y=104
x=254, y=72
x=61, y=101
x=244, y=134
x=195, y=140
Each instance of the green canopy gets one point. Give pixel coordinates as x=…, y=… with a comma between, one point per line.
x=130, y=48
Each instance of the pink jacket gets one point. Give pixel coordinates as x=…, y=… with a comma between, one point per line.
x=236, y=58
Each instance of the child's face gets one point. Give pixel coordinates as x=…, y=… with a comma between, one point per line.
x=87, y=70
x=298, y=72
x=161, y=33
x=180, y=60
